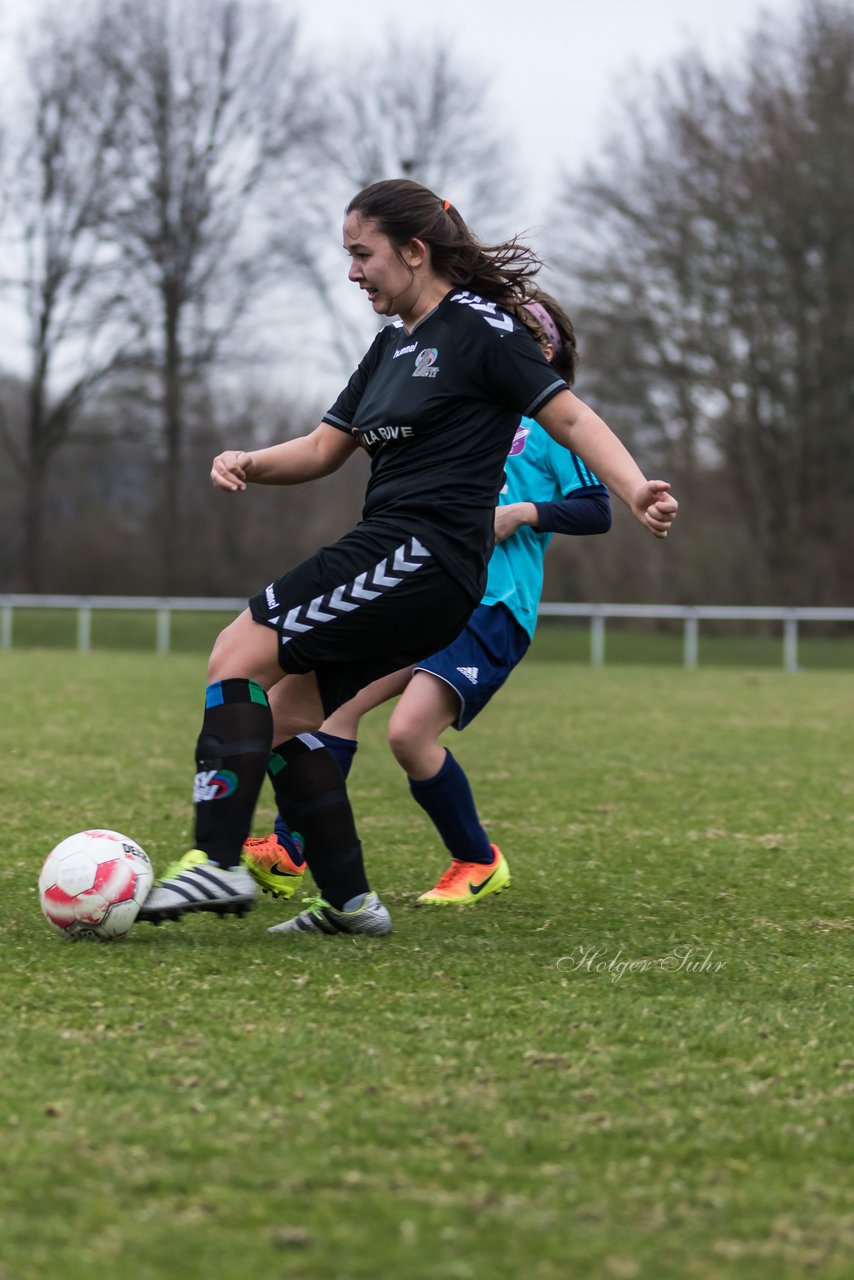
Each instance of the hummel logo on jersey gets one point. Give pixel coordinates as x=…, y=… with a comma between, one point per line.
x=271, y=597
x=405, y=351
x=425, y=363
x=470, y=673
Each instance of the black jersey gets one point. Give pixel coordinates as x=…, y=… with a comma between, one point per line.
x=437, y=410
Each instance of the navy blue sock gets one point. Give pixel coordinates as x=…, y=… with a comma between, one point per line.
x=448, y=802
x=291, y=841
x=342, y=750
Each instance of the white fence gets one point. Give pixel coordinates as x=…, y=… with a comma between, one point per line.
x=163, y=607
x=690, y=615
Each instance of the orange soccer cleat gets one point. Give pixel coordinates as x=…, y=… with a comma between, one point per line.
x=272, y=866
x=465, y=883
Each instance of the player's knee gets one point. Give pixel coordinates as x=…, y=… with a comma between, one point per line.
x=404, y=741
x=222, y=656
x=245, y=650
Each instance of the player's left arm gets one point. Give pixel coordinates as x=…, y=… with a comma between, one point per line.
x=576, y=426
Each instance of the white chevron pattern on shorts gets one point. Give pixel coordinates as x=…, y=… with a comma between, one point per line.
x=291, y=624
x=315, y=612
x=382, y=579
x=402, y=564
x=370, y=585
x=358, y=589
x=337, y=601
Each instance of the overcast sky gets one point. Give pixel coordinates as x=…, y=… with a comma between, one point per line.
x=555, y=64
x=554, y=67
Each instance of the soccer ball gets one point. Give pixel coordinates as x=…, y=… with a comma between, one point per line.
x=93, y=884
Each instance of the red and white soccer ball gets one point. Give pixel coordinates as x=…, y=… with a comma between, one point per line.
x=93, y=884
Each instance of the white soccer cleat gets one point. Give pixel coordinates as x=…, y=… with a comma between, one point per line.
x=369, y=917
x=194, y=883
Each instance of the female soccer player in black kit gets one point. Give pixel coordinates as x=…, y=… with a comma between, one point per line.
x=435, y=403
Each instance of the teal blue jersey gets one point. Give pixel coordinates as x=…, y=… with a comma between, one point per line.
x=537, y=470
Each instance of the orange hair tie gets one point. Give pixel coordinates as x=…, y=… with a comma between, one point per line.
x=446, y=204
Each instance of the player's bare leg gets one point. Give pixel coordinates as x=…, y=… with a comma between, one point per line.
x=438, y=784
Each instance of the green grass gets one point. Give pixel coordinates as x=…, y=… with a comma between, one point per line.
x=490, y=1092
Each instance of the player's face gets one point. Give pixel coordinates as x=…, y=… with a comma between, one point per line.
x=378, y=267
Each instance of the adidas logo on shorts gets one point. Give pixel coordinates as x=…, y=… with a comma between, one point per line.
x=470, y=673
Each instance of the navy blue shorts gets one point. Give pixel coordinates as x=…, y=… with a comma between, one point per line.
x=481, y=658
x=368, y=605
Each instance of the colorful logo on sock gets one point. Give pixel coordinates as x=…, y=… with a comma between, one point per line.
x=214, y=784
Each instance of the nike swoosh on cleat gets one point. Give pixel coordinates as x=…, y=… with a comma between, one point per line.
x=477, y=888
x=276, y=870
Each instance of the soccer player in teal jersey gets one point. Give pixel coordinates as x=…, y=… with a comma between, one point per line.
x=547, y=489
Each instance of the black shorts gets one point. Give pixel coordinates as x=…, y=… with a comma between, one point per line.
x=359, y=609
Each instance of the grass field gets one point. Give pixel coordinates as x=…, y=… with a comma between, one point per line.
x=638, y=1062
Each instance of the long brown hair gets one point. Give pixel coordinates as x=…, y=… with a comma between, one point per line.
x=404, y=210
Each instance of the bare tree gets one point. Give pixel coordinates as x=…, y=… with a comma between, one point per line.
x=407, y=109
x=712, y=257
x=60, y=176
x=229, y=548
x=218, y=108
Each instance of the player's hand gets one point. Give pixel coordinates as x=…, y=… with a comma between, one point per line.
x=655, y=507
x=511, y=517
x=230, y=470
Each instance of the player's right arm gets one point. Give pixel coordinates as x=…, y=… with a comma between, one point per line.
x=309, y=457
x=578, y=428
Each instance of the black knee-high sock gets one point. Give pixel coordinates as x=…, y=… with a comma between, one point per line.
x=231, y=760
x=310, y=789
x=344, y=751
